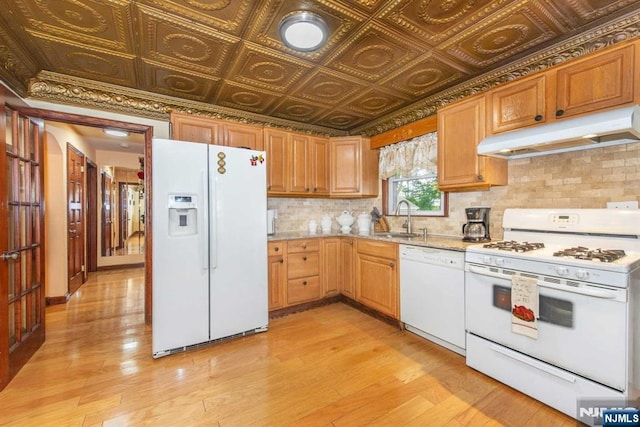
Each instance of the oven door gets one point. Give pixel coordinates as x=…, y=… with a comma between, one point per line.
x=581, y=328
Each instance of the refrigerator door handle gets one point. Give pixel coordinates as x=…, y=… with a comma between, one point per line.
x=204, y=238
x=213, y=222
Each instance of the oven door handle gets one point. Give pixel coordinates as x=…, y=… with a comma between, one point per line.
x=534, y=364
x=582, y=291
x=597, y=293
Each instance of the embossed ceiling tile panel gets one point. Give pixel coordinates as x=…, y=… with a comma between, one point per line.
x=433, y=21
x=504, y=35
x=102, y=24
x=298, y=110
x=366, y=5
x=246, y=98
x=585, y=11
x=372, y=53
x=327, y=88
x=178, y=84
x=341, y=120
x=339, y=19
x=191, y=47
x=17, y=65
x=229, y=16
x=424, y=76
x=375, y=102
x=266, y=69
x=91, y=64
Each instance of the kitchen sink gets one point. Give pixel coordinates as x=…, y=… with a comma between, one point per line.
x=402, y=235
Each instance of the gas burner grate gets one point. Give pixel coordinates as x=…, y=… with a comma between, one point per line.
x=514, y=246
x=602, y=255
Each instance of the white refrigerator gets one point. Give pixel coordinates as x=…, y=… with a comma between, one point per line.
x=209, y=244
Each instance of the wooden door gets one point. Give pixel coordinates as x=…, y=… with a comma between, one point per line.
x=75, y=218
x=276, y=148
x=517, y=105
x=376, y=284
x=123, y=214
x=242, y=136
x=22, y=302
x=319, y=165
x=330, y=271
x=299, y=164
x=346, y=166
x=106, y=231
x=277, y=274
x=194, y=129
x=92, y=217
x=347, y=267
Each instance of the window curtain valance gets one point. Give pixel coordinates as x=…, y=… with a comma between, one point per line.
x=407, y=158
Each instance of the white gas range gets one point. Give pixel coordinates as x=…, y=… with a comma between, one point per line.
x=581, y=269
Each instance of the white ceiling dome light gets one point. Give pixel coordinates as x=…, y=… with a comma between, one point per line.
x=303, y=31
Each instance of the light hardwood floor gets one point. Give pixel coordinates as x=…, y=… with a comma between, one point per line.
x=330, y=366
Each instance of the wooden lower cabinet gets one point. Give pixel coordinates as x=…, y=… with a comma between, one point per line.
x=277, y=271
x=347, y=267
x=330, y=261
x=377, y=276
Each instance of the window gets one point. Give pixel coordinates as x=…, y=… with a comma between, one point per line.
x=420, y=190
x=410, y=170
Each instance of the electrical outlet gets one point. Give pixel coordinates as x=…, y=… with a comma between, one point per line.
x=622, y=205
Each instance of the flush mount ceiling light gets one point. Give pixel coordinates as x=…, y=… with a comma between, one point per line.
x=303, y=31
x=116, y=132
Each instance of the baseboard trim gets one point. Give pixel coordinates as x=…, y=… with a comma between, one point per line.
x=120, y=266
x=57, y=300
x=281, y=312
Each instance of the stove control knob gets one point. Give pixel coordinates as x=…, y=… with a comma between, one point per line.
x=500, y=261
x=487, y=259
x=582, y=274
x=562, y=271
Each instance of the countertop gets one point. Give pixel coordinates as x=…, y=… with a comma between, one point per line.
x=432, y=241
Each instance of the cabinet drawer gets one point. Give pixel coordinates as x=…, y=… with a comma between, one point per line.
x=310, y=245
x=303, y=265
x=277, y=248
x=377, y=248
x=301, y=290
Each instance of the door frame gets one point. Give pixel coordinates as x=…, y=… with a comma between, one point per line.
x=147, y=130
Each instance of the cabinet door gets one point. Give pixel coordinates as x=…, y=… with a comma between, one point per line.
x=461, y=127
x=299, y=164
x=517, y=105
x=330, y=271
x=319, y=165
x=276, y=148
x=377, y=284
x=242, y=136
x=277, y=269
x=599, y=82
x=346, y=166
x=347, y=278
x=194, y=129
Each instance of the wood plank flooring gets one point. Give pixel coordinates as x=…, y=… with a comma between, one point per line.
x=330, y=366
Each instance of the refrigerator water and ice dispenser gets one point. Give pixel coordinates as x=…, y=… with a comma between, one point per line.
x=183, y=214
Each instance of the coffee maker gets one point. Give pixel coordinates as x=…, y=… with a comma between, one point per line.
x=477, y=227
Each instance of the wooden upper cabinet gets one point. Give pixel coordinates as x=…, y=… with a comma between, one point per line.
x=517, y=105
x=299, y=164
x=354, y=167
x=319, y=163
x=461, y=127
x=597, y=82
x=185, y=127
x=242, y=136
x=277, y=163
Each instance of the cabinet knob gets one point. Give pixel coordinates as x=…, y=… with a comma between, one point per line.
x=307, y=189
x=392, y=264
x=304, y=283
x=276, y=249
x=315, y=189
x=480, y=178
x=304, y=258
x=268, y=187
x=559, y=113
x=281, y=260
x=537, y=118
x=304, y=246
x=351, y=242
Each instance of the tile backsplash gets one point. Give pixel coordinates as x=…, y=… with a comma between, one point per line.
x=579, y=179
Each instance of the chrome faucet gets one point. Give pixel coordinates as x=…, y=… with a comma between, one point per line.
x=409, y=228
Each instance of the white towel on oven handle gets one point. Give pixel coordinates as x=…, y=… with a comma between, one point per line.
x=525, y=303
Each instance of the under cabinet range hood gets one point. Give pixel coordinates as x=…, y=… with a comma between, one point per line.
x=619, y=126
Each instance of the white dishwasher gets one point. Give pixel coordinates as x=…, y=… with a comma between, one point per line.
x=432, y=295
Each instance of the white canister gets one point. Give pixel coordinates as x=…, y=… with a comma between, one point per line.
x=325, y=223
x=364, y=223
x=313, y=227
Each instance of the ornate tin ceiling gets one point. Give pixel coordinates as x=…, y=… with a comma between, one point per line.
x=386, y=63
